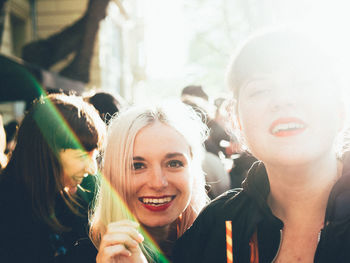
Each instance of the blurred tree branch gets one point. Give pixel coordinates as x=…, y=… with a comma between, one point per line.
x=78, y=38
x=2, y=18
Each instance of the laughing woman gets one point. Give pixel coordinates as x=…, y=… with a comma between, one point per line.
x=294, y=205
x=43, y=208
x=152, y=178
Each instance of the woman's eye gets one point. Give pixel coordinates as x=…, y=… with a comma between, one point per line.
x=258, y=92
x=138, y=166
x=175, y=164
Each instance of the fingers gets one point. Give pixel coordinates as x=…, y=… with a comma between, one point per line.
x=125, y=228
x=109, y=253
x=121, y=239
x=111, y=239
x=124, y=223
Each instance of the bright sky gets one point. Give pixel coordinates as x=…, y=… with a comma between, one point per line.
x=165, y=38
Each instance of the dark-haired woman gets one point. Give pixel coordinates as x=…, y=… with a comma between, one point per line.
x=43, y=208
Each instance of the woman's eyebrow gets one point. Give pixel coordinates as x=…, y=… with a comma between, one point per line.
x=176, y=154
x=138, y=158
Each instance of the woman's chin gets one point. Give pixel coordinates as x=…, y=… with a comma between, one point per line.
x=159, y=224
x=71, y=189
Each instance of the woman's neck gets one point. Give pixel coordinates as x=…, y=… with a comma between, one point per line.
x=164, y=236
x=295, y=190
x=158, y=234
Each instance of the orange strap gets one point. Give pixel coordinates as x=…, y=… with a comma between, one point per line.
x=253, y=244
x=229, y=250
x=178, y=224
x=254, y=249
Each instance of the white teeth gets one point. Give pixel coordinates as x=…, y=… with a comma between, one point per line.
x=156, y=201
x=287, y=126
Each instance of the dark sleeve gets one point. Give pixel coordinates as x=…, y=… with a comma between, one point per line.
x=19, y=242
x=83, y=251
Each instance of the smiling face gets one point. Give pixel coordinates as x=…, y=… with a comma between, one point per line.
x=161, y=184
x=76, y=165
x=289, y=117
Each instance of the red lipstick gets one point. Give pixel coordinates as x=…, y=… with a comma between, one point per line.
x=156, y=207
x=284, y=127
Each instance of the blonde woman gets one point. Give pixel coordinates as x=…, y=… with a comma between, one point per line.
x=152, y=178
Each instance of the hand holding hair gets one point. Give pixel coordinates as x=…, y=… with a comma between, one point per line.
x=120, y=243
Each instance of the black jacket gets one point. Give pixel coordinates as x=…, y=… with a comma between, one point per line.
x=25, y=239
x=205, y=241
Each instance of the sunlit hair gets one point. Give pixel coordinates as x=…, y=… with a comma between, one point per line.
x=279, y=49
x=114, y=192
x=283, y=49
x=53, y=123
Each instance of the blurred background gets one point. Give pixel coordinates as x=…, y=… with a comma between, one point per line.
x=142, y=49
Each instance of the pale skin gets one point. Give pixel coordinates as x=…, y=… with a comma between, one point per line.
x=301, y=207
x=77, y=164
x=294, y=138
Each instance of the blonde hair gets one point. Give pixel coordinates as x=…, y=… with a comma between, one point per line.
x=112, y=200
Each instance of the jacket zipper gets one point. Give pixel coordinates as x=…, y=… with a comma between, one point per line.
x=279, y=247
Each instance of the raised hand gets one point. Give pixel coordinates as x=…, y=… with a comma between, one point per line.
x=120, y=244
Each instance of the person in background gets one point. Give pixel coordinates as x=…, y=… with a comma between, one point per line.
x=236, y=158
x=194, y=91
x=152, y=178
x=195, y=96
x=43, y=208
x=294, y=205
x=217, y=176
x=106, y=104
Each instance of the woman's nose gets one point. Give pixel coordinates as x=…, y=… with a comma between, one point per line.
x=158, y=179
x=283, y=99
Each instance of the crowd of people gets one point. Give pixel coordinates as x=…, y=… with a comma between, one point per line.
x=262, y=177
